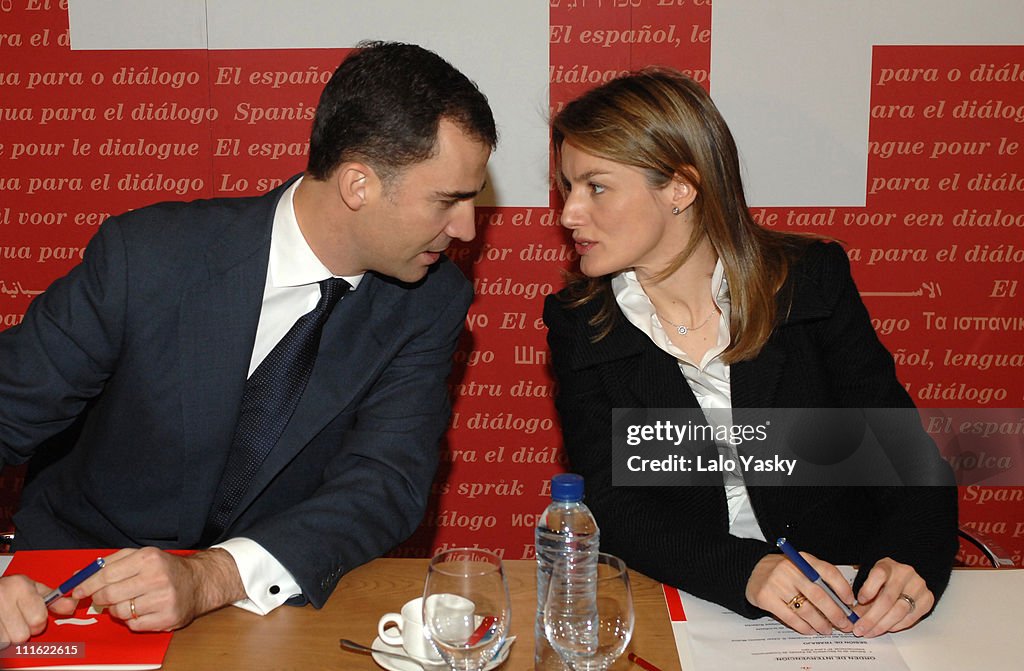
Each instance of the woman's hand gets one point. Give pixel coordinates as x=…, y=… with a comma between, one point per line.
x=892, y=598
x=777, y=586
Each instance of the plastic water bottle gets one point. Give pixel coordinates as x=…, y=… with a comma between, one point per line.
x=566, y=529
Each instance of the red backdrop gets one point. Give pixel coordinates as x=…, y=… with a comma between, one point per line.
x=937, y=250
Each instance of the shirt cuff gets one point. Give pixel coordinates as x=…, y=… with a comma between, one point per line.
x=268, y=584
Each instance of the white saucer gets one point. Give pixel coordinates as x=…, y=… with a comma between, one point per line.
x=395, y=664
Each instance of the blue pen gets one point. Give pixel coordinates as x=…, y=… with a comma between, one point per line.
x=813, y=575
x=74, y=581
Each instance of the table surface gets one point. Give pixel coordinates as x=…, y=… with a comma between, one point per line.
x=305, y=638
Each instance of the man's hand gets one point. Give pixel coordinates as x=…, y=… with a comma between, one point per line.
x=153, y=590
x=22, y=611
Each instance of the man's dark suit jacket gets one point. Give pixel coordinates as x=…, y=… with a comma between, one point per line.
x=823, y=354
x=150, y=339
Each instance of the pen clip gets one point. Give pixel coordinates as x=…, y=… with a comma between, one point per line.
x=797, y=559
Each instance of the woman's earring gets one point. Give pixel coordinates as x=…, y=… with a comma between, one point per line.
x=676, y=210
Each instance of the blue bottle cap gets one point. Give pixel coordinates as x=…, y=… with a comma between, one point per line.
x=567, y=487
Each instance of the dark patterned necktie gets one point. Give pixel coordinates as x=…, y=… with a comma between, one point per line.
x=271, y=394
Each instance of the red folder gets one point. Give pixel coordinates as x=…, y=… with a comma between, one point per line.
x=104, y=644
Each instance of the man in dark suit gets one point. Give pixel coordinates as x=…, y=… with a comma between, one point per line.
x=144, y=351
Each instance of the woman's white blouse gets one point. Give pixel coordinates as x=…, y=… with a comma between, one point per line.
x=708, y=379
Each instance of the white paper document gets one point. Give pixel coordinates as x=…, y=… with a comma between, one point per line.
x=974, y=627
x=710, y=636
x=721, y=639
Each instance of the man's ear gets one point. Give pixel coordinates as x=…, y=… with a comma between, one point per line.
x=355, y=182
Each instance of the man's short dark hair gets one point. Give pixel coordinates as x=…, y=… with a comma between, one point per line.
x=383, y=106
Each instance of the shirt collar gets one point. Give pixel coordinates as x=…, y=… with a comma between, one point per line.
x=639, y=311
x=292, y=262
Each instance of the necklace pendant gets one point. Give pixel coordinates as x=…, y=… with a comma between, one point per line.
x=682, y=330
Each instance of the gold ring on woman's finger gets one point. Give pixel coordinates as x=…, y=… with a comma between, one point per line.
x=796, y=601
x=131, y=605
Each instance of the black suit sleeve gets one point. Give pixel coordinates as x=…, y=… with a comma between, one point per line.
x=64, y=350
x=918, y=522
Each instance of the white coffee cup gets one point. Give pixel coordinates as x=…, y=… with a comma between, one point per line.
x=409, y=624
x=456, y=614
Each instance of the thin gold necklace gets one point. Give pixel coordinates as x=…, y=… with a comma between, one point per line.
x=683, y=330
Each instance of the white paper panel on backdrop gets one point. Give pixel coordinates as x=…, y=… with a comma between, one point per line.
x=138, y=24
x=793, y=79
x=503, y=46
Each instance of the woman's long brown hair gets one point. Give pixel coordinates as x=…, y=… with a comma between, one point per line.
x=662, y=122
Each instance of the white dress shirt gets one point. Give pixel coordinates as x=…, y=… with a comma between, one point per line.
x=292, y=289
x=708, y=379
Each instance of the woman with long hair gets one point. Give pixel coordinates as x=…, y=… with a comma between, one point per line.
x=684, y=301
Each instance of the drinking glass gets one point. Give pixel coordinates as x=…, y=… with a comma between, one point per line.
x=466, y=611
x=589, y=635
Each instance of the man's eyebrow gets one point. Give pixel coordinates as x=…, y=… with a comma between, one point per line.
x=460, y=195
